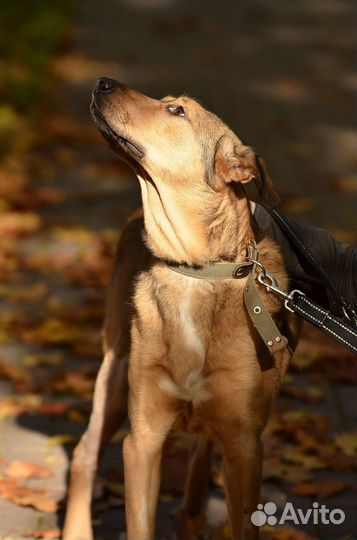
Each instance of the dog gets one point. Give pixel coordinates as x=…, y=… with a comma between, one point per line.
x=181, y=352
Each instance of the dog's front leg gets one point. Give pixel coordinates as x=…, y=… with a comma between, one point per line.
x=242, y=462
x=152, y=413
x=109, y=411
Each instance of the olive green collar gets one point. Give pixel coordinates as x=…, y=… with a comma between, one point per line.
x=256, y=308
x=217, y=270
x=220, y=270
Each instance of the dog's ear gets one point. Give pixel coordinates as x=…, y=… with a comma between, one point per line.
x=236, y=162
x=233, y=162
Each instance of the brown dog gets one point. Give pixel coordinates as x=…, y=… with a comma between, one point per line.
x=196, y=361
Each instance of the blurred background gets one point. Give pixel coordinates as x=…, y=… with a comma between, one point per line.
x=282, y=75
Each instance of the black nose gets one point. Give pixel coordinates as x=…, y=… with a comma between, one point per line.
x=105, y=85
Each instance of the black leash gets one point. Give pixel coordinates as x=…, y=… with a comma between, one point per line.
x=342, y=328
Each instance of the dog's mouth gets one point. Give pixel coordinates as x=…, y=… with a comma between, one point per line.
x=119, y=143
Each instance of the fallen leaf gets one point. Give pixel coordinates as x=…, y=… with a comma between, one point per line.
x=61, y=440
x=276, y=470
x=19, y=376
x=54, y=409
x=53, y=331
x=17, y=189
x=322, y=489
x=46, y=534
x=79, y=382
x=340, y=462
x=19, y=224
x=20, y=294
x=19, y=494
x=347, y=441
x=77, y=416
x=13, y=406
x=27, y=469
x=311, y=394
x=34, y=360
x=294, y=455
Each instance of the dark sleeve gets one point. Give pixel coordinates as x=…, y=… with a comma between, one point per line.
x=338, y=259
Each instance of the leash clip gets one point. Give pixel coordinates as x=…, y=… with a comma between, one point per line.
x=272, y=285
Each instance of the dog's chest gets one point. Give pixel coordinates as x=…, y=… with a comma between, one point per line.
x=191, y=320
x=203, y=325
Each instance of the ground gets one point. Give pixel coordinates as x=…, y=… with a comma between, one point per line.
x=281, y=74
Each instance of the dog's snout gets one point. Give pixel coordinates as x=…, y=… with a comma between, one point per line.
x=105, y=85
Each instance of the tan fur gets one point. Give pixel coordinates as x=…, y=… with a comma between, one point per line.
x=196, y=362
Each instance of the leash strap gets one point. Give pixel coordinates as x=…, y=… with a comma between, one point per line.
x=297, y=302
x=344, y=307
x=261, y=317
x=336, y=328
x=343, y=329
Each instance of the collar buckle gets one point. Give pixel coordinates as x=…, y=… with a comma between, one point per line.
x=241, y=269
x=251, y=259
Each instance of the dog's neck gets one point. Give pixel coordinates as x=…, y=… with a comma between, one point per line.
x=196, y=227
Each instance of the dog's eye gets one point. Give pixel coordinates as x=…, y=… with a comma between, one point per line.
x=177, y=110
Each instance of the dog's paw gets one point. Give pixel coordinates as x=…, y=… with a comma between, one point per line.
x=188, y=528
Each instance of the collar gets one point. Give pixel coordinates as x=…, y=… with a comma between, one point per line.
x=221, y=270
x=255, y=306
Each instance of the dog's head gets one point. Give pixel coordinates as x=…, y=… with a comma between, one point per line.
x=175, y=140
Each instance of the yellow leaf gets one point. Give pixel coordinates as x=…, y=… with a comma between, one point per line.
x=347, y=442
x=61, y=440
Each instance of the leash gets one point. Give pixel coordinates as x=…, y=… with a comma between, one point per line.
x=340, y=303
x=342, y=328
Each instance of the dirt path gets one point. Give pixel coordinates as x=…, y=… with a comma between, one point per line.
x=283, y=77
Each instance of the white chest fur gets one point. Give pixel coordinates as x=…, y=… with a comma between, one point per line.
x=188, y=328
x=190, y=349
